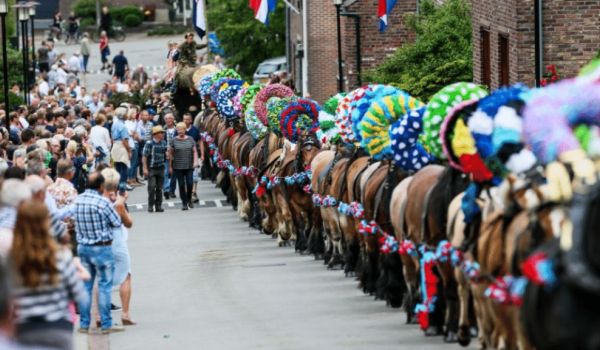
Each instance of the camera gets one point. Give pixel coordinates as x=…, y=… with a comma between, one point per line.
x=122, y=188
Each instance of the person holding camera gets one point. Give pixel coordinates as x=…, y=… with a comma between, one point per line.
x=154, y=153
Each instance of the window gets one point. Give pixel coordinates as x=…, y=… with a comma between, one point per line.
x=503, y=69
x=486, y=66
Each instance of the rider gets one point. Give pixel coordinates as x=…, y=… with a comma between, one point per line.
x=73, y=25
x=57, y=21
x=105, y=21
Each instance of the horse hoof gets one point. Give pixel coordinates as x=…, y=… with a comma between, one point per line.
x=335, y=267
x=464, y=342
x=350, y=274
x=474, y=332
x=319, y=257
x=432, y=331
x=273, y=236
x=451, y=337
x=305, y=252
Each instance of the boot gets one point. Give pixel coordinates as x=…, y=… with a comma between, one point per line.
x=159, y=209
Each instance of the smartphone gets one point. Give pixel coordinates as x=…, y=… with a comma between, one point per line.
x=122, y=189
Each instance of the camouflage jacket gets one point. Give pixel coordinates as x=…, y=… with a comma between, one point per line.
x=187, y=53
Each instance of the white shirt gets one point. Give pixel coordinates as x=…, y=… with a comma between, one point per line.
x=133, y=126
x=23, y=122
x=99, y=137
x=95, y=107
x=121, y=87
x=43, y=88
x=74, y=64
x=61, y=76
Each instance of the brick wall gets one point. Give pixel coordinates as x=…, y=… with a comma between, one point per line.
x=571, y=36
x=375, y=46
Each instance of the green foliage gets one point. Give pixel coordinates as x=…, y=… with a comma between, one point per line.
x=246, y=41
x=11, y=25
x=132, y=20
x=119, y=14
x=166, y=31
x=13, y=99
x=88, y=22
x=441, y=55
x=15, y=67
x=85, y=8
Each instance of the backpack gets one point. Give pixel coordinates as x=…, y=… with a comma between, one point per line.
x=81, y=180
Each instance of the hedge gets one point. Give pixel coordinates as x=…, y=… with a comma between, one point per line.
x=132, y=20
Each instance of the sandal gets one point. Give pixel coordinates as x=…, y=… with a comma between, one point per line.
x=128, y=322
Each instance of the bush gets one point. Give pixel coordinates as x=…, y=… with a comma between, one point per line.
x=88, y=22
x=119, y=14
x=166, y=31
x=15, y=67
x=13, y=99
x=132, y=20
x=86, y=8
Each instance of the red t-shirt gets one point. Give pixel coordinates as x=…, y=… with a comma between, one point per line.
x=103, y=43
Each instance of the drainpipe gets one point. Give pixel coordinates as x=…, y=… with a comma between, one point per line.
x=356, y=16
x=305, y=47
x=539, y=44
x=288, y=59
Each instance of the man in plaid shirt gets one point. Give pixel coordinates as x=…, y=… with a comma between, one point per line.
x=95, y=219
x=154, y=153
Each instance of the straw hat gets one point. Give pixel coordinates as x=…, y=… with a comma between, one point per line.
x=157, y=129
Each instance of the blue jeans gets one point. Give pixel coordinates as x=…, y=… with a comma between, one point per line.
x=121, y=168
x=170, y=181
x=133, y=162
x=85, y=62
x=99, y=261
x=185, y=180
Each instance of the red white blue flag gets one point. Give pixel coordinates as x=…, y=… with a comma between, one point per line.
x=262, y=8
x=385, y=8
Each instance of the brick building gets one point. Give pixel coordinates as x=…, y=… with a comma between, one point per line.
x=375, y=46
x=504, y=39
x=322, y=42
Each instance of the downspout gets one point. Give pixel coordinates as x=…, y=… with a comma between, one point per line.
x=356, y=16
x=287, y=39
x=539, y=44
x=305, y=47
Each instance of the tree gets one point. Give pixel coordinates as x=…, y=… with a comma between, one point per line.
x=246, y=41
x=15, y=67
x=441, y=55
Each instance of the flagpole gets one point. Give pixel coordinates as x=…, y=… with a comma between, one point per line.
x=206, y=30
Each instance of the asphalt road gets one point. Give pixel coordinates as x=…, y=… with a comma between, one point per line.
x=138, y=48
x=203, y=280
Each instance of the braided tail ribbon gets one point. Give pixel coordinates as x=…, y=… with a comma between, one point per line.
x=299, y=116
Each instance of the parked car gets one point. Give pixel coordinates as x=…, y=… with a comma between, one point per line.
x=266, y=68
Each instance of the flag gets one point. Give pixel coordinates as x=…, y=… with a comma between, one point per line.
x=262, y=8
x=385, y=8
x=198, y=18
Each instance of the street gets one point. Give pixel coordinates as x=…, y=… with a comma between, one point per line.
x=202, y=279
x=150, y=51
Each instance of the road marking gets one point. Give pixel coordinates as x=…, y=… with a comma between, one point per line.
x=218, y=203
x=139, y=206
x=170, y=204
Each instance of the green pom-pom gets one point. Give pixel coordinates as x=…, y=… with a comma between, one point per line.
x=249, y=96
x=225, y=73
x=274, y=107
x=331, y=104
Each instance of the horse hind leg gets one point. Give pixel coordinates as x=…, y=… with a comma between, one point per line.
x=464, y=296
x=351, y=257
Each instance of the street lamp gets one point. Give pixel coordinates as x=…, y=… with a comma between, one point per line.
x=338, y=6
x=33, y=4
x=3, y=13
x=23, y=16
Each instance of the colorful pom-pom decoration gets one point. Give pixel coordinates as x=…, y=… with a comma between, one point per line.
x=408, y=152
x=249, y=96
x=225, y=101
x=375, y=125
x=274, y=107
x=204, y=87
x=331, y=105
x=299, y=116
x=360, y=106
x=257, y=129
x=225, y=73
x=343, y=113
x=440, y=104
x=237, y=102
x=216, y=87
x=260, y=102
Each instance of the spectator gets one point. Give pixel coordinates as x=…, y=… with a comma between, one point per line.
x=183, y=159
x=140, y=75
x=105, y=24
x=194, y=133
x=122, y=273
x=154, y=168
x=74, y=63
x=217, y=63
x=83, y=96
x=120, y=66
x=78, y=155
x=100, y=140
x=95, y=219
x=47, y=280
x=52, y=54
x=104, y=50
x=96, y=104
x=62, y=190
x=14, y=192
x=85, y=51
x=44, y=86
x=121, y=151
x=154, y=79
x=43, y=59
x=170, y=133
x=61, y=75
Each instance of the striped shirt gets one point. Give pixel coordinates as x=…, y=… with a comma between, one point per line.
x=50, y=303
x=183, y=153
